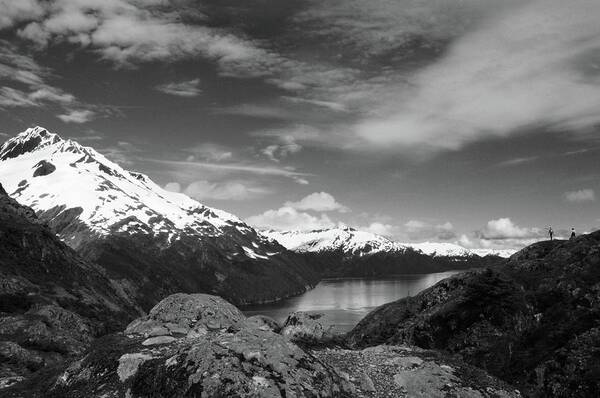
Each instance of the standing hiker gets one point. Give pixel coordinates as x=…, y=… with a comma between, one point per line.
x=551, y=233
x=572, y=233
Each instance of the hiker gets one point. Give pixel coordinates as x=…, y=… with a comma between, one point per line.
x=572, y=233
x=551, y=233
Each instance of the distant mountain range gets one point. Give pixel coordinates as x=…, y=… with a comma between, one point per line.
x=345, y=251
x=150, y=241
x=355, y=242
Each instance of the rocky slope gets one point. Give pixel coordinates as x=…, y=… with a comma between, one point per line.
x=200, y=345
x=52, y=302
x=151, y=242
x=347, y=252
x=533, y=321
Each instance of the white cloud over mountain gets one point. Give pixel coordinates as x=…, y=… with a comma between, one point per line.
x=305, y=214
x=225, y=190
x=318, y=201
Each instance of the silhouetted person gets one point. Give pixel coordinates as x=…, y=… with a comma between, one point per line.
x=572, y=233
x=551, y=233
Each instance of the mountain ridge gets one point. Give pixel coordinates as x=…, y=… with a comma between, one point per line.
x=356, y=242
x=150, y=241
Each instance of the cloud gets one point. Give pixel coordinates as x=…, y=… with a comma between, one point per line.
x=189, y=88
x=417, y=230
x=77, y=116
x=289, y=218
x=14, y=12
x=132, y=32
x=229, y=167
x=123, y=153
x=382, y=229
x=209, y=152
x=173, y=187
x=263, y=111
x=301, y=181
x=318, y=201
x=518, y=161
x=503, y=233
x=295, y=215
x=504, y=228
x=525, y=65
x=582, y=195
x=227, y=190
x=276, y=152
x=27, y=86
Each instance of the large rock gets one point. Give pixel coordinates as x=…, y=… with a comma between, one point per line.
x=186, y=314
x=229, y=359
x=261, y=322
x=306, y=327
x=532, y=321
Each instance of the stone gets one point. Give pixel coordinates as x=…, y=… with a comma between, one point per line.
x=129, y=364
x=365, y=383
x=185, y=312
x=305, y=326
x=261, y=322
x=158, y=340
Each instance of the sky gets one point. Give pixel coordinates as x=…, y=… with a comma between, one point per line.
x=471, y=121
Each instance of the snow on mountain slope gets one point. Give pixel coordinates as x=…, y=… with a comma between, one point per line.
x=41, y=170
x=354, y=242
x=443, y=249
x=346, y=239
x=506, y=253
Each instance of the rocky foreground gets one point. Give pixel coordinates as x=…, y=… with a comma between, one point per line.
x=533, y=321
x=53, y=303
x=201, y=346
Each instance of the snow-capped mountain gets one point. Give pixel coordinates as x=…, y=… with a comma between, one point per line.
x=51, y=174
x=346, y=239
x=354, y=242
x=115, y=216
x=441, y=249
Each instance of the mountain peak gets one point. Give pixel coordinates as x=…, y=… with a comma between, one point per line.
x=28, y=141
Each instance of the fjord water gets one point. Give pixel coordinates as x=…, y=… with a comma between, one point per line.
x=346, y=301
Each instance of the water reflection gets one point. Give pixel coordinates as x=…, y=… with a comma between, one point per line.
x=347, y=301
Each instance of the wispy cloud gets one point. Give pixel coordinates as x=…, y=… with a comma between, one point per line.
x=528, y=64
x=188, y=88
x=417, y=230
x=223, y=190
x=517, y=161
x=580, y=196
x=77, y=116
x=266, y=111
x=209, y=151
x=238, y=167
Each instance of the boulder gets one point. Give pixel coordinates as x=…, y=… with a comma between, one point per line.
x=186, y=314
x=303, y=326
x=261, y=322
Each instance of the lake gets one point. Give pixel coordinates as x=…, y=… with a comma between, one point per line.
x=346, y=301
